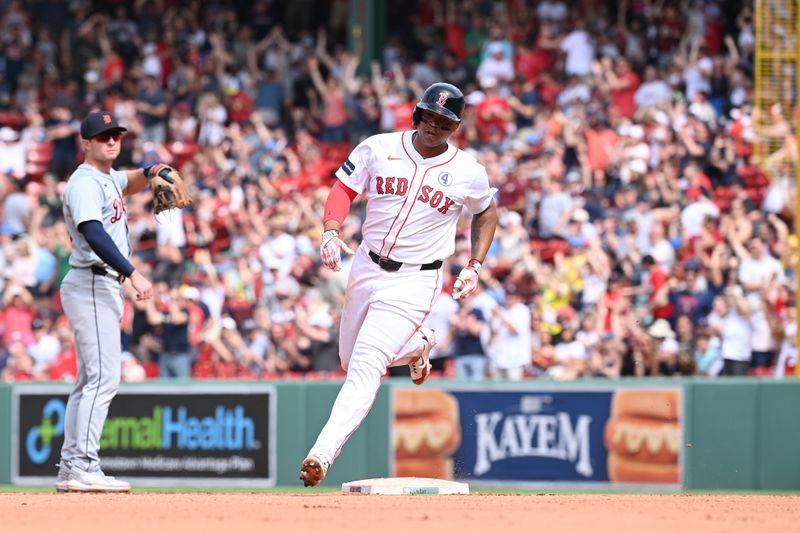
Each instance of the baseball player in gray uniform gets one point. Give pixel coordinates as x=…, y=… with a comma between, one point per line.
x=92, y=296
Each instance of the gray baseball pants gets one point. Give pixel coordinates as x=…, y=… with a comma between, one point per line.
x=93, y=304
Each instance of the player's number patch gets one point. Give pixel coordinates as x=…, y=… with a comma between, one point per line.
x=348, y=167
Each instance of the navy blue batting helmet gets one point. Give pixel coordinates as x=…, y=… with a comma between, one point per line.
x=443, y=99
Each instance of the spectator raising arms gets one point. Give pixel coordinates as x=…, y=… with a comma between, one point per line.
x=610, y=137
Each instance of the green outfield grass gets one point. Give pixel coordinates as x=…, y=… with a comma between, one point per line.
x=474, y=490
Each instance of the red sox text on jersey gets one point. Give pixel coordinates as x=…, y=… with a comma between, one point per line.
x=428, y=195
x=413, y=203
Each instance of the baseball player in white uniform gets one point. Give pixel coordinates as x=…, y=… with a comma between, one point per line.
x=416, y=186
x=92, y=296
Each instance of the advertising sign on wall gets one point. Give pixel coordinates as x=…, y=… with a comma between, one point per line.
x=623, y=435
x=160, y=435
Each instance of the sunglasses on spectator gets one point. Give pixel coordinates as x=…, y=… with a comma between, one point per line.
x=104, y=137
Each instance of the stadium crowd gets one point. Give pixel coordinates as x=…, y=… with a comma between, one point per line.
x=637, y=237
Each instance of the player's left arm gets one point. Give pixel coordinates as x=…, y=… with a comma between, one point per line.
x=137, y=181
x=484, y=225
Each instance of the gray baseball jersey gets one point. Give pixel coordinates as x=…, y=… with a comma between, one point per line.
x=92, y=195
x=93, y=303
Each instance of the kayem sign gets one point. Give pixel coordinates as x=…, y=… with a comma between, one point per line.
x=157, y=435
x=616, y=435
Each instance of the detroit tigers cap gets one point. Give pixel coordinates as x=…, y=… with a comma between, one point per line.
x=98, y=122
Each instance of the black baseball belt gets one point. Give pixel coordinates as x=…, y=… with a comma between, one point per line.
x=100, y=271
x=393, y=266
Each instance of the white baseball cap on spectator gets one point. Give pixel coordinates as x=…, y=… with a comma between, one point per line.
x=658, y=134
x=703, y=112
x=8, y=134
x=638, y=166
x=573, y=176
x=580, y=215
x=228, y=323
x=496, y=48
x=190, y=293
x=91, y=76
x=706, y=65
x=636, y=131
x=669, y=345
x=509, y=218
x=488, y=82
x=661, y=118
x=660, y=329
x=474, y=98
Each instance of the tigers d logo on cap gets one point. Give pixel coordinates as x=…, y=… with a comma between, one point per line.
x=99, y=122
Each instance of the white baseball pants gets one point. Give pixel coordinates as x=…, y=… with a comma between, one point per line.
x=380, y=318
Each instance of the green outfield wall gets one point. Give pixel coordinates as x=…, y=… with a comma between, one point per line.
x=735, y=433
x=303, y=408
x=742, y=434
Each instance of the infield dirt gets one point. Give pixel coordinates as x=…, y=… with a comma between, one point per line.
x=334, y=513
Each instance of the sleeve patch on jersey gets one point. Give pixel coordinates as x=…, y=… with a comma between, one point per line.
x=348, y=167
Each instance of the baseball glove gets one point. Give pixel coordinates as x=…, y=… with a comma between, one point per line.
x=168, y=187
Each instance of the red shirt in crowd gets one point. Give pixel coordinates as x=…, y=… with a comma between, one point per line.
x=599, y=144
x=622, y=99
x=113, y=70
x=714, y=36
x=17, y=320
x=658, y=279
x=240, y=107
x=454, y=37
x=488, y=118
x=404, y=116
x=548, y=90
x=531, y=63
x=65, y=367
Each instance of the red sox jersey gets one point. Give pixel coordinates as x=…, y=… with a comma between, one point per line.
x=413, y=203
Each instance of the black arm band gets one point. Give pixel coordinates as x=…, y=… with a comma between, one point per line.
x=101, y=243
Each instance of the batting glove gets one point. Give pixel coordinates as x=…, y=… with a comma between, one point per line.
x=331, y=250
x=467, y=280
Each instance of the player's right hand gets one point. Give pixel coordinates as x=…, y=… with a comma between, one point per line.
x=331, y=250
x=467, y=280
x=143, y=288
